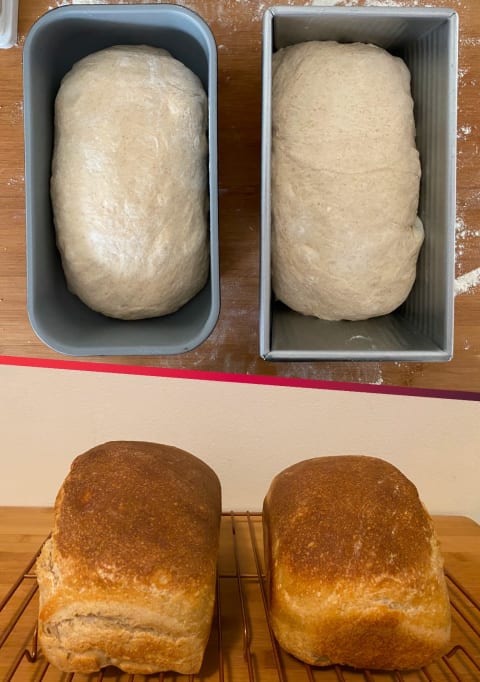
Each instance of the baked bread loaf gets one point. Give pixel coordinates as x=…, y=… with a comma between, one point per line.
x=355, y=575
x=128, y=575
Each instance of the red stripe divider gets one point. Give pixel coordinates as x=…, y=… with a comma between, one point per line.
x=264, y=380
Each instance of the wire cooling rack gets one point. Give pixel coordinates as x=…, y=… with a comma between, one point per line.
x=241, y=647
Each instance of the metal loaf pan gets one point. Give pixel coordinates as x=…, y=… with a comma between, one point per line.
x=421, y=330
x=59, y=39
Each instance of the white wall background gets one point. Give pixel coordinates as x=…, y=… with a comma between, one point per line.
x=247, y=433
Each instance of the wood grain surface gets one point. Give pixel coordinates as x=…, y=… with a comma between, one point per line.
x=233, y=345
x=23, y=529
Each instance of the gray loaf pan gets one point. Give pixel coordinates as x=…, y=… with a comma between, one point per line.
x=421, y=330
x=59, y=39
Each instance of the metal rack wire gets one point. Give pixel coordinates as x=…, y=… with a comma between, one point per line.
x=241, y=647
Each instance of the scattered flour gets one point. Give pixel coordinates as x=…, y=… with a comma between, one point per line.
x=366, y=3
x=15, y=180
x=460, y=234
x=221, y=12
x=463, y=234
x=469, y=41
x=387, y=3
x=464, y=132
x=367, y=373
x=380, y=3
x=462, y=231
x=13, y=111
x=465, y=283
x=466, y=237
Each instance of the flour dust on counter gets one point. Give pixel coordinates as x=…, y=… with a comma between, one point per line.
x=223, y=11
x=13, y=111
x=467, y=234
x=377, y=3
x=13, y=115
x=15, y=180
x=464, y=132
x=468, y=282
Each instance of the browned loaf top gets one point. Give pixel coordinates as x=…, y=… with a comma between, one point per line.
x=140, y=498
x=354, y=567
x=128, y=577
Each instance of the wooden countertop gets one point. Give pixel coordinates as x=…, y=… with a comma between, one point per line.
x=22, y=530
x=233, y=346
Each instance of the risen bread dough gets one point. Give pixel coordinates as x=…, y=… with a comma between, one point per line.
x=345, y=180
x=129, y=182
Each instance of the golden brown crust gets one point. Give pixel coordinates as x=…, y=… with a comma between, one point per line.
x=140, y=498
x=354, y=570
x=128, y=577
x=324, y=499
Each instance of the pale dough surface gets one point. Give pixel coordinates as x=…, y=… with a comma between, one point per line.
x=345, y=180
x=129, y=182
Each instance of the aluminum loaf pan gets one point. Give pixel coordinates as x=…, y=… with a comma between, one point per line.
x=421, y=329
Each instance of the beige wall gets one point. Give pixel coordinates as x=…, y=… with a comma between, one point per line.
x=247, y=433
